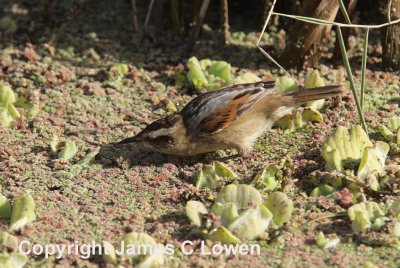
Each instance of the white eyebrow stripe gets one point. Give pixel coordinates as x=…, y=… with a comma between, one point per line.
x=158, y=133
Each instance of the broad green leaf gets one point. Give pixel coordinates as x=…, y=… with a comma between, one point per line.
x=229, y=214
x=268, y=177
x=13, y=111
x=210, y=175
x=23, y=211
x=5, y=207
x=195, y=211
x=223, y=235
x=251, y=223
x=373, y=159
x=109, y=254
x=196, y=75
x=221, y=69
x=68, y=151
x=324, y=190
x=243, y=196
x=394, y=123
x=280, y=206
x=386, y=133
x=6, y=95
x=146, y=243
x=286, y=84
x=13, y=260
x=6, y=118
x=312, y=81
x=363, y=215
x=246, y=78
x=8, y=241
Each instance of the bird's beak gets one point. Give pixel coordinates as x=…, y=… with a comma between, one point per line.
x=134, y=139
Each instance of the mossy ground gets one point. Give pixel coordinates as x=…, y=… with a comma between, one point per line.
x=125, y=190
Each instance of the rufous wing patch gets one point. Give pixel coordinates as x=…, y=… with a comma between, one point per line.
x=227, y=114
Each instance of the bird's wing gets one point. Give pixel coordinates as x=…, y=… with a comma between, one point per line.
x=212, y=112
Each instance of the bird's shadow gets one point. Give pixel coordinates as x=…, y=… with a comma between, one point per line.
x=128, y=155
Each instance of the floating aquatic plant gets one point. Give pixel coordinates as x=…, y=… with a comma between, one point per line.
x=280, y=206
x=195, y=211
x=23, y=211
x=5, y=207
x=245, y=78
x=364, y=215
x=325, y=243
x=13, y=260
x=391, y=132
x=269, y=178
x=68, y=151
x=149, y=258
x=302, y=116
x=210, y=175
x=208, y=74
x=351, y=152
x=8, y=241
x=8, y=104
x=243, y=214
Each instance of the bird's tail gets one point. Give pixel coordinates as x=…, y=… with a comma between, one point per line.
x=317, y=93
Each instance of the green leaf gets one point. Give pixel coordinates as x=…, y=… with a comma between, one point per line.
x=379, y=223
x=222, y=70
x=109, y=254
x=394, y=123
x=245, y=78
x=223, y=235
x=13, y=111
x=310, y=115
x=373, y=159
x=23, y=211
x=323, y=190
x=6, y=95
x=267, y=178
x=229, y=214
x=119, y=71
x=32, y=111
x=5, y=207
x=363, y=215
x=285, y=84
x=242, y=195
x=196, y=75
x=251, y=223
x=6, y=118
x=344, y=146
x=8, y=241
x=143, y=240
x=386, y=133
x=315, y=80
x=321, y=240
x=13, y=260
x=210, y=175
x=395, y=209
x=280, y=206
x=195, y=211
x=68, y=151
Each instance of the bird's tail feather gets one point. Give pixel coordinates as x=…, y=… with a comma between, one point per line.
x=317, y=93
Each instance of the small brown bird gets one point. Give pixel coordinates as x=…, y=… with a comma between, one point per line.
x=230, y=117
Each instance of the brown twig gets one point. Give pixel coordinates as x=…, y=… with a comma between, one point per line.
x=135, y=20
x=225, y=19
x=146, y=21
x=199, y=23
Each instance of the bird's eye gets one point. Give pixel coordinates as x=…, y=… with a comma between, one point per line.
x=164, y=140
